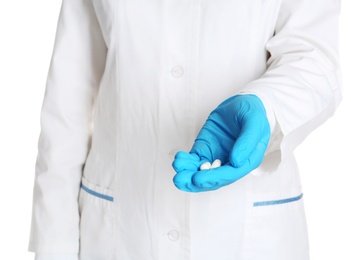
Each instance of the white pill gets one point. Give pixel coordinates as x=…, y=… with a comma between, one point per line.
x=216, y=163
x=205, y=166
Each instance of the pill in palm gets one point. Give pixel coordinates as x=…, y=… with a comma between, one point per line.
x=216, y=163
x=205, y=166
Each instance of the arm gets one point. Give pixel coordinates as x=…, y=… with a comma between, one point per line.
x=299, y=91
x=76, y=68
x=301, y=86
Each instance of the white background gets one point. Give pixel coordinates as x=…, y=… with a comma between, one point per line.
x=27, y=31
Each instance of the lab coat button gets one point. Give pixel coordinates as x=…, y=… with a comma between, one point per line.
x=177, y=71
x=172, y=153
x=173, y=235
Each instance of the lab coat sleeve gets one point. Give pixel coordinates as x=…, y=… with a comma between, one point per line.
x=301, y=87
x=76, y=68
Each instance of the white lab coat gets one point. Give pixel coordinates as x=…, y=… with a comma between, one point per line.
x=132, y=82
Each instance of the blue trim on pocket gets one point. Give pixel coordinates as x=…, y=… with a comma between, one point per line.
x=275, y=202
x=97, y=194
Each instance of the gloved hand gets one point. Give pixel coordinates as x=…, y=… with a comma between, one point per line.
x=237, y=132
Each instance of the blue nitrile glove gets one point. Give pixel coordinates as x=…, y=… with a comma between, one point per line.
x=237, y=132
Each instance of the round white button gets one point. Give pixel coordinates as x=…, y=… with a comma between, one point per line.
x=177, y=71
x=172, y=153
x=173, y=235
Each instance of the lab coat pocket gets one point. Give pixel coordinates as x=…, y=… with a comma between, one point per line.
x=96, y=221
x=276, y=227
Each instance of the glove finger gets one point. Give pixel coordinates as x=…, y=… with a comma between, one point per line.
x=186, y=155
x=212, y=143
x=216, y=178
x=186, y=161
x=202, y=144
x=183, y=181
x=185, y=164
x=254, y=129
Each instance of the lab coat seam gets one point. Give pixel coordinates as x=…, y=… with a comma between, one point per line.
x=115, y=76
x=194, y=85
x=116, y=85
x=196, y=67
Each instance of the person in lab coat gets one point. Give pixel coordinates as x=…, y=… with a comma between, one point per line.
x=140, y=94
